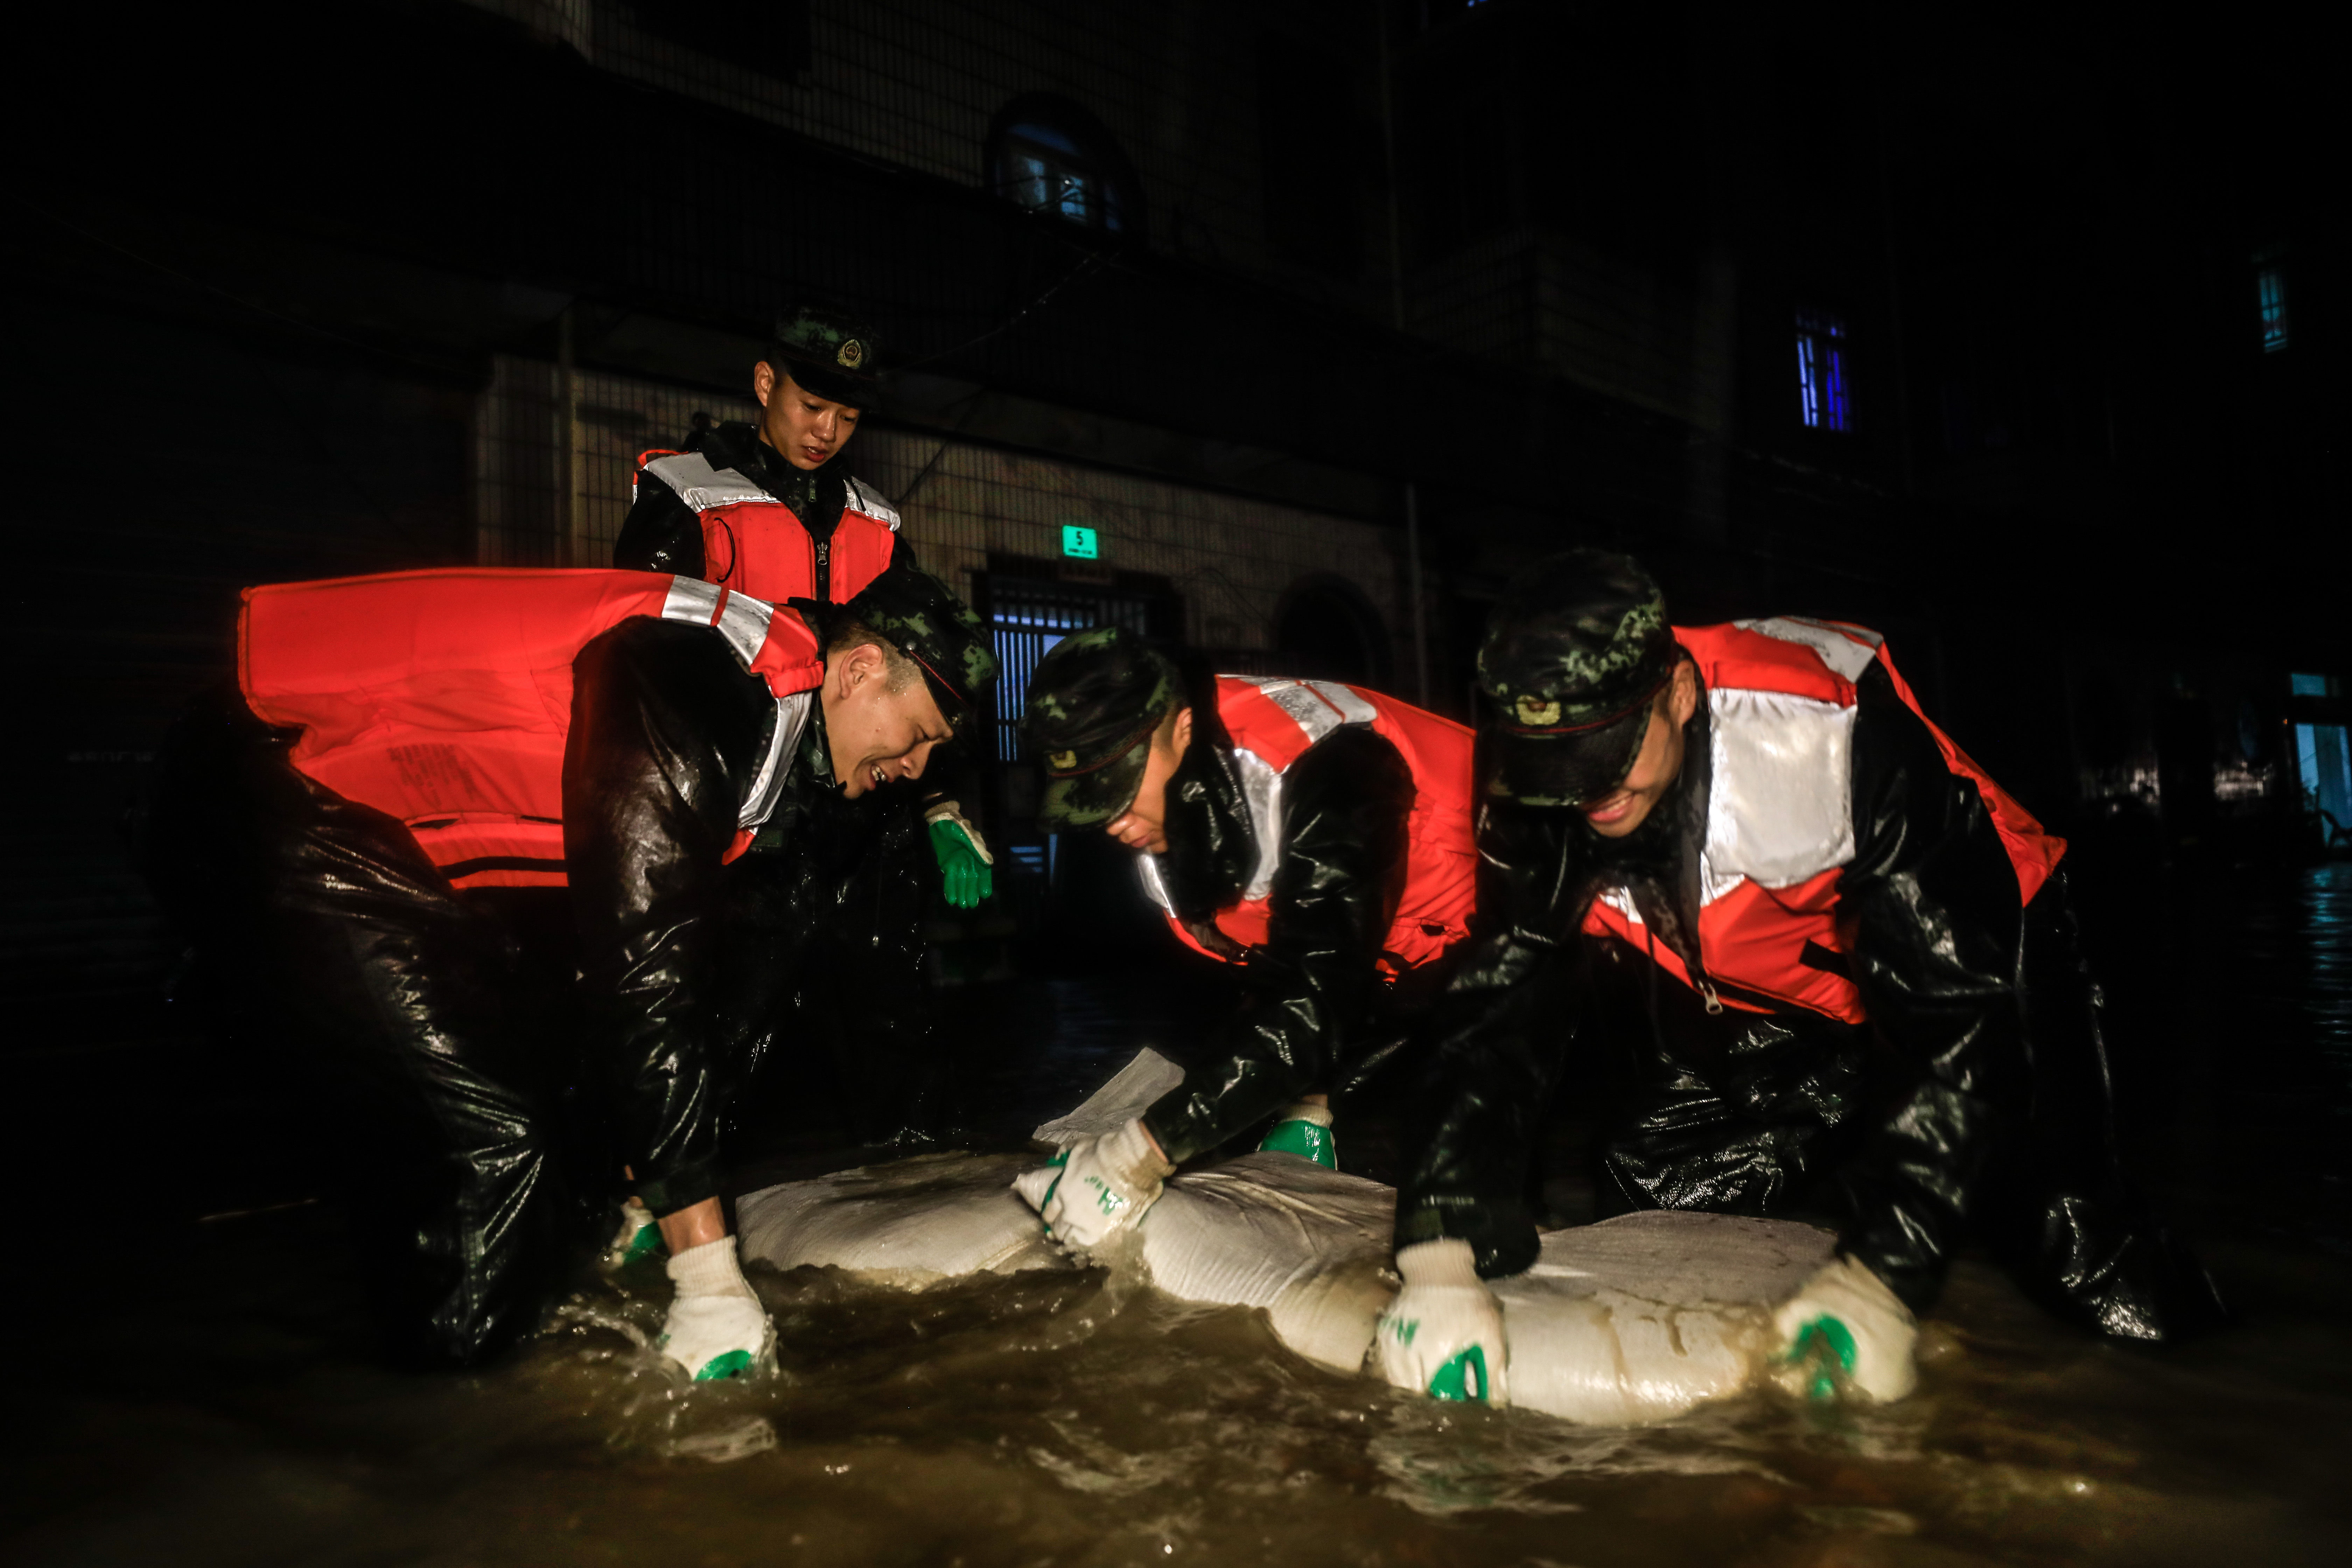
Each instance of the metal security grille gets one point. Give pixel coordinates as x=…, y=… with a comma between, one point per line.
x=1027, y=619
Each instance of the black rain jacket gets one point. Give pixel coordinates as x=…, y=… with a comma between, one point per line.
x=487, y=1061
x=1975, y=1097
x=1308, y=1012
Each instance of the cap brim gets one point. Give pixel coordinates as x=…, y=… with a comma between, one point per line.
x=1090, y=800
x=1565, y=770
x=857, y=388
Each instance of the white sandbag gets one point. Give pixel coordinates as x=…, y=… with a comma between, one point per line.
x=1640, y=1318
x=1278, y=1231
x=906, y=1223
x=1632, y=1321
x=1127, y=1096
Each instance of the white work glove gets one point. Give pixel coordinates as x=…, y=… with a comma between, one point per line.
x=1443, y=1335
x=638, y=1236
x=1845, y=1328
x=1096, y=1187
x=716, y=1327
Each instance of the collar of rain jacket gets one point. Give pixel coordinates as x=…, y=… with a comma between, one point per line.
x=1211, y=843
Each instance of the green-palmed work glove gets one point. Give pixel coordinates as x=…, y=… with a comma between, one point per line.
x=1304, y=1129
x=717, y=1328
x=638, y=1236
x=1845, y=1331
x=964, y=856
x=1443, y=1335
x=1096, y=1188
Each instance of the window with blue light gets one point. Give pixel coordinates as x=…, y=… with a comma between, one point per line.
x=2323, y=757
x=1821, y=381
x=1051, y=156
x=2269, y=290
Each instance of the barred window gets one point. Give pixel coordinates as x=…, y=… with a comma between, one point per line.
x=1053, y=157
x=1822, y=390
x=2270, y=292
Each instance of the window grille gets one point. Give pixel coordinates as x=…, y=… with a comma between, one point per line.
x=1054, y=158
x=1821, y=371
x=1026, y=620
x=2270, y=288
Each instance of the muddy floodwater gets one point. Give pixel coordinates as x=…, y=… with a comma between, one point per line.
x=200, y=1392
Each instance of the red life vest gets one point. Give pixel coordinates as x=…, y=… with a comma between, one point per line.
x=443, y=698
x=752, y=543
x=1274, y=721
x=1780, y=815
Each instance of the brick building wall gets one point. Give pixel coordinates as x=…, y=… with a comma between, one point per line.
x=1232, y=559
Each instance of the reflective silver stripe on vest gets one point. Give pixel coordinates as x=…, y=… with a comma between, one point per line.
x=864, y=497
x=743, y=621
x=1319, y=707
x=1262, y=790
x=1262, y=797
x=759, y=800
x=744, y=624
x=702, y=486
x=692, y=599
x=1780, y=807
x=1840, y=652
x=1148, y=868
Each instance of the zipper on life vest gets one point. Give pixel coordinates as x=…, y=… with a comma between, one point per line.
x=823, y=584
x=1706, y=989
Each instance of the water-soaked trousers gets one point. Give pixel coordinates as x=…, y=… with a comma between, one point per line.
x=822, y=962
x=448, y=1054
x=1777, y=1114
x=435, y=1034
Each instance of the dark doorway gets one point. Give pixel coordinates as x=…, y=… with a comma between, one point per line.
x=1326, y=630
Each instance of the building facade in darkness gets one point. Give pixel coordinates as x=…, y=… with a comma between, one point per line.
x=1311, y=320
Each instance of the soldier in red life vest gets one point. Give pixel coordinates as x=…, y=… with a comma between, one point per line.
x=372, y=830
x=1736, y=889
x=1314, y=832
x=771, y=509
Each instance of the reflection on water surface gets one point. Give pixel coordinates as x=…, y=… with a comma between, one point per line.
x=210, y=1401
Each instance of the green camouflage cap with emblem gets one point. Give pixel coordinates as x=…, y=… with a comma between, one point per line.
x=829, y=354
x=1093, y=704
x=1574, y=654
x=930, y=626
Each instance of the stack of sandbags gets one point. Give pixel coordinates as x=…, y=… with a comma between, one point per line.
x=1632, y=1321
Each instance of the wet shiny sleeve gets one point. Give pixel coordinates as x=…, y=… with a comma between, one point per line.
x=1306, y=992
x=1500, y=1037
x=661, y=533
x=665, y=727
x=1932, y=901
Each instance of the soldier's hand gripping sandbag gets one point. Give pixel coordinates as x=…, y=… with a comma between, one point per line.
x=1096, y=1188
x=1443, y=1333
x=1844, y=1329
x=717, y=1328
x=1313, y=833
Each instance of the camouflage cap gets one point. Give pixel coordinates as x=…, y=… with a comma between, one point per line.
x=829, y=353
x=938, y=631
x=1093, y=704
x=1574, y=654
